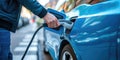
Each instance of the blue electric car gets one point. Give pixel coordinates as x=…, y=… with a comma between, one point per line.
x=94, y=35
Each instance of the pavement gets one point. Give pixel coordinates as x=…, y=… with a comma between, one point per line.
x=20, y=41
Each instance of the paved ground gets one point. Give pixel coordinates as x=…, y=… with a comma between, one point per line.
x=20, y=40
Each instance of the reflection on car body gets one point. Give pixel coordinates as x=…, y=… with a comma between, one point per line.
x=95, y=34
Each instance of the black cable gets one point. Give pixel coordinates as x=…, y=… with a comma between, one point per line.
x=32, y=41
x=43, y=25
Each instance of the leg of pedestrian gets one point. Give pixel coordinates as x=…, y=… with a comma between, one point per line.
x=5, y=53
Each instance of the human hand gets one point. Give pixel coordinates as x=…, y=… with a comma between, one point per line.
x=51, y=20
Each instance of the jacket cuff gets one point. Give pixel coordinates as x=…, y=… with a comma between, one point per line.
x=42, y=13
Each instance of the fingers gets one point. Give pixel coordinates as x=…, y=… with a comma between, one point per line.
x=51, y=21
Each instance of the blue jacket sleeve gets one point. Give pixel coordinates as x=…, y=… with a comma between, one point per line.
x=34, y=6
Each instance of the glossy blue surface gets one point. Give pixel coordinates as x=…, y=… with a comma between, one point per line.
x=95, y=34
x=118, y=40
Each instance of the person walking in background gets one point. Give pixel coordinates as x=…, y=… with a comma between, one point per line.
x=9, y=16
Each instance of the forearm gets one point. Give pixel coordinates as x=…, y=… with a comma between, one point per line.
x=34, y=6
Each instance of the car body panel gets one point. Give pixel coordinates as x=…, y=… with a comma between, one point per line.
x=53, y=41
x=118, y=40
x=94, y=35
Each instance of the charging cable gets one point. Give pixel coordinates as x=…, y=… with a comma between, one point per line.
x=67, y=24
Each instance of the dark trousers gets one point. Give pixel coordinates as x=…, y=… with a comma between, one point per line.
x=5, y=53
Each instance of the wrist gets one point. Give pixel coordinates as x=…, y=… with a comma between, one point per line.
x=43, y=13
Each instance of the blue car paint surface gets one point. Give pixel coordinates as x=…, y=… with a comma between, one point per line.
x=95, y=34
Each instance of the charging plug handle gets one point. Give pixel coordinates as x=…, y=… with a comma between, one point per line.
x=65, y=23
